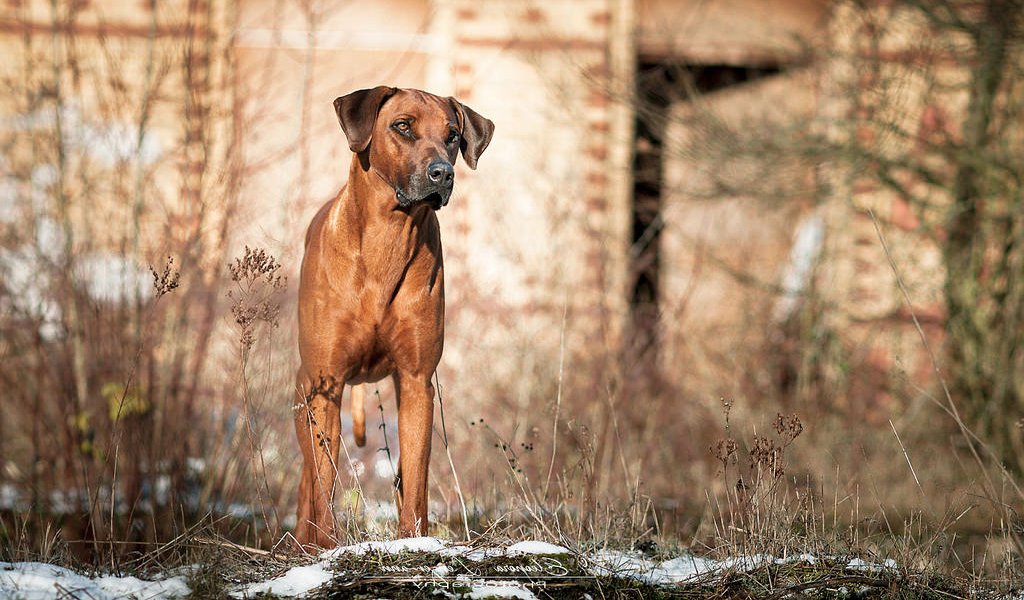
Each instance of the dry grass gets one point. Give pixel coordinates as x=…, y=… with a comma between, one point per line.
x=144, y=434
x=765, y=483
x=761, y=500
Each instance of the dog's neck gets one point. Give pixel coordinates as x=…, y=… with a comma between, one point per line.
x=379, y=202
x=370, y=216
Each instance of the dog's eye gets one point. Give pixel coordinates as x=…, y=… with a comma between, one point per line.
x=402, y=127
x=452, y=138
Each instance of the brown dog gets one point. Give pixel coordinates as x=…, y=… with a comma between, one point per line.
x=371, y=294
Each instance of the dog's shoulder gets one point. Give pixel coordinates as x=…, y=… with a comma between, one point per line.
x=317, y=222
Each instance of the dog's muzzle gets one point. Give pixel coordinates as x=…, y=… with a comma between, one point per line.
x=435, y=199
x=434, y=187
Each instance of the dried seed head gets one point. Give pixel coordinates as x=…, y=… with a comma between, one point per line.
x=725, y=450
x=167, y=280
x=255, y=300
x=789, y=428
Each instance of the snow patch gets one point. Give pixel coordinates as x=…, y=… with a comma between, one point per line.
x=32, y=580
x=432, y=544
x=532, y=547
x=858, y=564
x=635, y=566
x=418, y=544
x=689, y=567
x=38, y=580
x=296, y=582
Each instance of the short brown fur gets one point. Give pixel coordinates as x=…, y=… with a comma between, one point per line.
x=371, y=292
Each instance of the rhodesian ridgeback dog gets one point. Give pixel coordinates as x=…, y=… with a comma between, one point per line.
x=371, y=292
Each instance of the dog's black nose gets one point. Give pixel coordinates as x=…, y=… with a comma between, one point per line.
x=441, y=172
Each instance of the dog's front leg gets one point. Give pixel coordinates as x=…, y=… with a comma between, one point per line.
x=415, y=424
x=318, y=426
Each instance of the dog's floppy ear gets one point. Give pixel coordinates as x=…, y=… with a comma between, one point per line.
x=476, y=133
x=357, y=112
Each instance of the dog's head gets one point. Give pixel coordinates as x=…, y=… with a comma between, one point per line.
x=411, y=138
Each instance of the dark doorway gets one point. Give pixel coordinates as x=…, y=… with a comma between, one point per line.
x=661, y=82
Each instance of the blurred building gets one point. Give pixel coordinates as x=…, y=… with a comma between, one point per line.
x=605, y=235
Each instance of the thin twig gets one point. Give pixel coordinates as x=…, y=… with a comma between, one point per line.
x=558, y=398
x=447, y=451
x=348, y=457
x=973, y=441
x=906, y=456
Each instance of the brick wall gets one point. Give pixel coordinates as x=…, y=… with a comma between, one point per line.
x=539, y=230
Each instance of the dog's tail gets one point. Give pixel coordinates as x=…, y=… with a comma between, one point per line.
x=359, y=414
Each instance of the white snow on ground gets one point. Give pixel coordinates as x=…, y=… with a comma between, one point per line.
x=634, y=565
x=858, y=564
x=296, y=582
x=419, y=544
x=32, y=581
x=432, y=544
x=531, y=547
x=689, y=567
x=301, y=580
